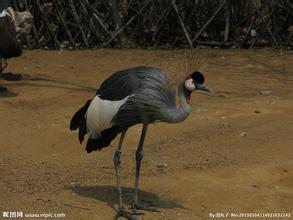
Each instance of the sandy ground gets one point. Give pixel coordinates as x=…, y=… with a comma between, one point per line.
x=190, y=170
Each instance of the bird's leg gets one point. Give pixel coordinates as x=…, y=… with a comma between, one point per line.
x=3, y=64
x=138, y=157
x=2, y=88
x=116, y=159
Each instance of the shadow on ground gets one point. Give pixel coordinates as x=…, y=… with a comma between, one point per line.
x=28, y=80
x=4, y=92
x=108, y=194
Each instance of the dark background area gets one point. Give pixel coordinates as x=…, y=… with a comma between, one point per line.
x=158, y=24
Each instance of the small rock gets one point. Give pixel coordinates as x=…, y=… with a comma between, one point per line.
x=270, y=102
x=223, y=95
x=243, y=134
x=257, y=111
x=200, y=109
x=163, y=165
x=265, y=92
x=285, y=171
x=226, y=125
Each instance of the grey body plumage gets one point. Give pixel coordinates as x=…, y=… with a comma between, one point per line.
x=133, y=96
x=150, y=97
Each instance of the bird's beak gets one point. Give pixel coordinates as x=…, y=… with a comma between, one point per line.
x=204, y=87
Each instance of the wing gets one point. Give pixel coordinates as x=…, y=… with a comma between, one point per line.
x=148, y=94
x=128, y=82
x=148, y=103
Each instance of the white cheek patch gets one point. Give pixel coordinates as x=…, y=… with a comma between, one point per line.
x=189, y=85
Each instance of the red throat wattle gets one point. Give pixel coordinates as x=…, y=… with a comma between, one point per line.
x=187, y=93
x=187, y=98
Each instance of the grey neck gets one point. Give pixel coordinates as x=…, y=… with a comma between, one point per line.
x=179, y=114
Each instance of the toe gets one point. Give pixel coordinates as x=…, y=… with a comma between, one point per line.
x=138, y=206
x=125, y=214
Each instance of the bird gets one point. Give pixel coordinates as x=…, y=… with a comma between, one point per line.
x=138, y=95
x=9, y=46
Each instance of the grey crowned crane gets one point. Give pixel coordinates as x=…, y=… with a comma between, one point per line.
x=139, y=95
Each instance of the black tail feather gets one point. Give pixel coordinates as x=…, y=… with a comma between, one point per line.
x=103, y=141
x=79, y=121
x=82, y=131
x=79, y=116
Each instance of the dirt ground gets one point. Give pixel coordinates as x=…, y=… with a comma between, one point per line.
x=234, y=154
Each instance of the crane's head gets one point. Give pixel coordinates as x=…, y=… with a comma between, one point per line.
x=195, y=81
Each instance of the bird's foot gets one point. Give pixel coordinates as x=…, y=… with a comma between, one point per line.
x=125, y=214
x=3, y=89
x=139, y=206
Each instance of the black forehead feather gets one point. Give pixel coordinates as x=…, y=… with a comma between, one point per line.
x=198, y=77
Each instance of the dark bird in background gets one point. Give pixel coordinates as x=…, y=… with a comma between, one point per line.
x=9, y=46
x=128, y=97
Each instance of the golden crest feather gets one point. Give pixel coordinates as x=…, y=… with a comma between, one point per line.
x=193, y=61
